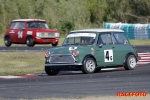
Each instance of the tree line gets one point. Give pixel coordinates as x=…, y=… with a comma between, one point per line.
x=66, y=15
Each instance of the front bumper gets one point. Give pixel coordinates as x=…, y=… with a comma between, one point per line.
x=55, y=65
x=74, y=66
x=45, y=40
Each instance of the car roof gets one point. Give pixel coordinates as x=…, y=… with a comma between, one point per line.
x=98, y=30
x=27, y=20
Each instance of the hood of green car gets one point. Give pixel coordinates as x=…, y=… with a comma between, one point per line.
x=69, y=49
x=63, y=50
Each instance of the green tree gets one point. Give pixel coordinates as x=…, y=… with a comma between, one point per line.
x=66, y=15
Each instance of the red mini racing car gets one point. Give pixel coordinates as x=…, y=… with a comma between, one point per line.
x=30, y=32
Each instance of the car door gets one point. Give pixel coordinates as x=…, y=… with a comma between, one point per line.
x=13, y=30
x=20, y=36
x=121, y=47
x=105, y=50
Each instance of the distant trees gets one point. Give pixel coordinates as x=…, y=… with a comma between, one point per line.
x=66, y=15
x=129, y=11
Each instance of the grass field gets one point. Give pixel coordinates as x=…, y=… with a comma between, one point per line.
x=21, y=62
x=140, y=42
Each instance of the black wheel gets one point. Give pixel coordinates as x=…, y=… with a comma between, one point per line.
x=51, y=72
x=55, y=44
x=89, y=66
x=30, y=42
x=130, y=63
x=97, y=70
x=7, y=41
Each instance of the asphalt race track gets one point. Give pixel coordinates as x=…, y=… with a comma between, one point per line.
x=77, y=84
x=71, y=84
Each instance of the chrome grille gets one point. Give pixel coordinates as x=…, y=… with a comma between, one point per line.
x=62, y=59
x=47, y=34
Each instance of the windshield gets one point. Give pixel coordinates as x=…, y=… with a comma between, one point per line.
x=80, y=38
x=37, y=24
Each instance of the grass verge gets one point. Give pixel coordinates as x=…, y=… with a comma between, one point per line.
x=21, y=62
x=140, y=42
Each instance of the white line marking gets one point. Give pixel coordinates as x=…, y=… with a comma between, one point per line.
x=144, y=53
x=10, y=77
x=145, y=57
x=109, y=68
x=143, y=62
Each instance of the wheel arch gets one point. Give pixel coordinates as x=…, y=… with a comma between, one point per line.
x=127, y=55
x=28, y=36
x=87, y=56
x=31, y=43
x=7, y=35
x=7, y=40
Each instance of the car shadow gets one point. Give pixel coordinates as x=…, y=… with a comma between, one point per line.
x=80, y=72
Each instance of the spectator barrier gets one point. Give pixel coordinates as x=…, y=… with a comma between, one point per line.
x=133, y=31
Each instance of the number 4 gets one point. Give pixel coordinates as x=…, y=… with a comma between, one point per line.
x=20, y=35
x=108, y=55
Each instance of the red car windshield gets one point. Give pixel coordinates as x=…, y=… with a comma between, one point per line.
x=37, y=24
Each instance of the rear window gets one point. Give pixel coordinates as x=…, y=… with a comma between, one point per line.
x=119, y=38
x=105, y=39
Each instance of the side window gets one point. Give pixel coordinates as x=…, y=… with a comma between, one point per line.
x=14, y=25
x=120, y=38
x=21, y=25
x=87, y=40
x=105, y=39
x=114, y=40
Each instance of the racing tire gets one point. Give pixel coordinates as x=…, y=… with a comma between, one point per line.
x=89, y=66
x=7, y=41
x=97, y=70
x=51, y=72
x=30, y=42
x=55, y=44
x=130, y=63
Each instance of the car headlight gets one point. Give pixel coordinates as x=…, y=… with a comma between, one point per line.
x=56, y=34
x=75, y=53
x=38, y=34
x=47, y=54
